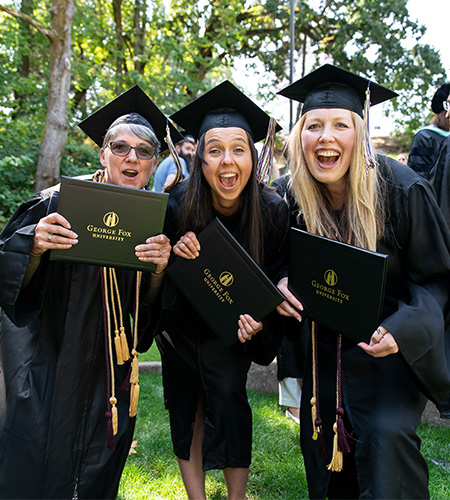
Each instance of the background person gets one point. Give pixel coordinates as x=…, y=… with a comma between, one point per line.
x=57, y=436
x=376, y=391
x=167, y=169
x=427, y=140
x=205, y=382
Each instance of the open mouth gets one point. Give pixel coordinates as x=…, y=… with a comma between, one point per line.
x=228, y=181
x=327, y=157
x=130, y=173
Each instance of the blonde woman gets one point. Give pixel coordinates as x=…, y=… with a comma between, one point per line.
x=345, y=193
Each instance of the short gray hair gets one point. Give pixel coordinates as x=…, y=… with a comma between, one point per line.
x=144, y=133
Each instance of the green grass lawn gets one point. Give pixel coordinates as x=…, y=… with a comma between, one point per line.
x=277, y=471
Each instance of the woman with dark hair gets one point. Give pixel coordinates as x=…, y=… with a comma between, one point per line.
x=70, y=404
x=362, y=402
x=204, y=381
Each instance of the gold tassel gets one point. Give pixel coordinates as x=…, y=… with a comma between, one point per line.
x=115, y=418
x=314, y=416
x=134, y=377
x=134, y=399
x=118, y=346
x=124, y=343
x=337, y=461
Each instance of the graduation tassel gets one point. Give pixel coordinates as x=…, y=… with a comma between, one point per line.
x=118, y=347
x=266, y=157
x=337, y=461
x=124, y=344
x=134, y=376
x=176, y=159
x=134, y=399
x=370, y=160
x=340, y=444
x=114, y=415
x=125, y=353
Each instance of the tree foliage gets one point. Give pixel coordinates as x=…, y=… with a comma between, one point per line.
x=177, y=49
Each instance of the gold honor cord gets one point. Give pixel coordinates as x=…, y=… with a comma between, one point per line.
x=134, y=377
x=266, y=156
x=176, y=159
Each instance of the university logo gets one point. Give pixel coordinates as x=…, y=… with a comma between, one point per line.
x=330, y=277
x=111, y=219
x=226, y=278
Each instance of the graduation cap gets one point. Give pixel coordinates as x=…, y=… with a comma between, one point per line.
x=133, y=107
x=441, y=95
x=223, y=106
x=226, y=106
x=332, y=87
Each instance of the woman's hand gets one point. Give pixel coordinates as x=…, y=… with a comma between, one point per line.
x=291, y=306
x=187, y=246
x=155, y=249
x=53, y=232
x=382, y=343
x=248, y=327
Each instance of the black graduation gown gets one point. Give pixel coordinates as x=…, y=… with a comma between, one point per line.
x=383, y=398
x=194, y=360
x=53, y=432
x=425, y=149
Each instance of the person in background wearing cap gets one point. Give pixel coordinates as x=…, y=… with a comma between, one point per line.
x=440, y=178
x=204, y=381
x=59, y=436
x=167, y=170
x=427, y=140
x=372, y=394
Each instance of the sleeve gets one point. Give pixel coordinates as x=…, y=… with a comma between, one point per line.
x=16, y=241
x=418, y=289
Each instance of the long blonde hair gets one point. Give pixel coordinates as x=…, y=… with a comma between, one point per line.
x=361, y=220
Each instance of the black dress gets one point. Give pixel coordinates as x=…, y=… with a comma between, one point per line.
x=53, y=431
x=194, y=360
x=383, y=398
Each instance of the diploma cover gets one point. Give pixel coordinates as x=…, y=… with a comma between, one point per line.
x=110, y=221
x=224, y=282
x=340, y=286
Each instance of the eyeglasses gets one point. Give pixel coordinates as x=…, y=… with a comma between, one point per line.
x=123, y=149
x=446, y=105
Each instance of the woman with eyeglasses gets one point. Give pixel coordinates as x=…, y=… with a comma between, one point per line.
x=67, y=423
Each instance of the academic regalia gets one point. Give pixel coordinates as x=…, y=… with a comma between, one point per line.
x=57, y=435
x=53, y=435
x=425, y=149
x=382, y=398
x=428, y=140
x=194, y=359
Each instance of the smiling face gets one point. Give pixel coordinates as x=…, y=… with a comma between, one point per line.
x=328, y=138
x=129, y=170
x=228, y=166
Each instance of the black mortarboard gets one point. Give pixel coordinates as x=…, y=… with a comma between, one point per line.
x=439, y=97
x=332, y=87
x=133, y=106
x=223, y=106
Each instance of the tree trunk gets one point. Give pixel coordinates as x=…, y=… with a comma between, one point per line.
x=55, y=134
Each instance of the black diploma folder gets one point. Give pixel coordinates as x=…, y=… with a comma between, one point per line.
x=340, y=286
x=110, y=221
x=224, y=282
